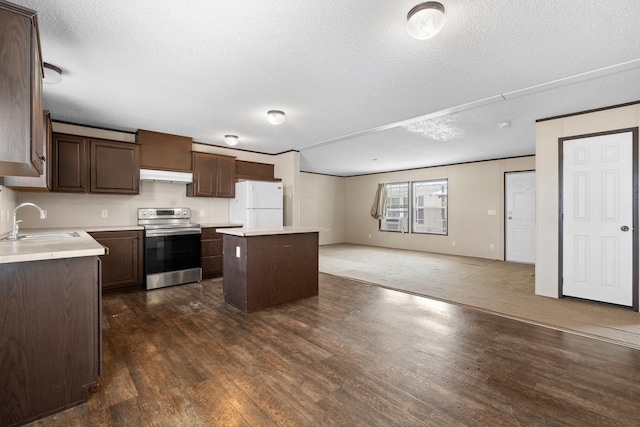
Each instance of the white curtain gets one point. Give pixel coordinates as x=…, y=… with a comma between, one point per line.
x=379, y=202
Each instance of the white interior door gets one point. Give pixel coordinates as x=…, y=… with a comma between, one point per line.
x=597, y=197
x=520, y=217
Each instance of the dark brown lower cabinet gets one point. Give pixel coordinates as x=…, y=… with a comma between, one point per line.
x=50, y=339
x=211, y=253
x=264, y=271
x=122, y=265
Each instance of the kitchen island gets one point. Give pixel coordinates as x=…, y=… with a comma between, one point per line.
x=265, y=267
x=50, y=305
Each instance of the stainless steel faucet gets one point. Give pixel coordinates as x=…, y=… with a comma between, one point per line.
x=13, y=234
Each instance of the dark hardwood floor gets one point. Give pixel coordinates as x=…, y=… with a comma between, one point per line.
x=355, y=355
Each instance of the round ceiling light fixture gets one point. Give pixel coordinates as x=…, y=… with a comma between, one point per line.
x=275, y=117
x=52, y=74
x=231, y=139
x=425, y=20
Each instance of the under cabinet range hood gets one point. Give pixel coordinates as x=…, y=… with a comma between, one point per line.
x=166, y=176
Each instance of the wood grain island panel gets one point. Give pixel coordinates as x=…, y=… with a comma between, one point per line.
x=262, y=271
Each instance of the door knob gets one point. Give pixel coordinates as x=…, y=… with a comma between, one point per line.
x=624, y=228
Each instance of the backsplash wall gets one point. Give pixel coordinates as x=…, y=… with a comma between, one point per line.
x=8, y=202
x=85, y=210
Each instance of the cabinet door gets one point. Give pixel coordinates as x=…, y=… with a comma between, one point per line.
x=21, y=127
x=114, y=167
x=204, y=169
x=42, y=182
x=37, y=125
x=122, y=266
x=69, y=164
x=226, y=177
x=164, y=152
x=213, y=176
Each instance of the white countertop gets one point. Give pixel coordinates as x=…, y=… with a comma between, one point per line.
x=50, y=248
x=219, y=224
x=246, y=232
x=97, y=229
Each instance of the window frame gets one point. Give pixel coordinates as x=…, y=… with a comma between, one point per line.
x=403, y=228
x=425, y=217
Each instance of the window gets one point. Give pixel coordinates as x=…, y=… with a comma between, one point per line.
x=396, y=213
x=429, y=206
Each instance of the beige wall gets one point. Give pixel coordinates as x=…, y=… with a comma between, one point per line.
x=474, y=189
x=84, y=210
x=547, y=181
x=287, y=167
x=8, y=202
x=322, y=205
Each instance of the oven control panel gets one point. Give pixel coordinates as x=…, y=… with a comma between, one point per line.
x=164, y=213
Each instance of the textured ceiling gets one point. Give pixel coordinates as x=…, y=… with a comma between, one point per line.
x=354, y=85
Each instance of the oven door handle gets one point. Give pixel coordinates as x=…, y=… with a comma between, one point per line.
x=176, y=232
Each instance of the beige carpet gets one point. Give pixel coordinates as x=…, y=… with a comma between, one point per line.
x=499, y=287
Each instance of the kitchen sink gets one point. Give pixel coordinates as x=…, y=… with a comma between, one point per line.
x=45, y=235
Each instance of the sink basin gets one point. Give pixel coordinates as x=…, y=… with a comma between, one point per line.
x=46, y=235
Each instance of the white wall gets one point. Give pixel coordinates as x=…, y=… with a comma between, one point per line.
x=8, y=202
x=547, y=181
x=474, y=189
x=322, y=205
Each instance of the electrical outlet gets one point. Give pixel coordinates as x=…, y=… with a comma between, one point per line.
x=203, y=213
x=369, y=235
x=491, y=212
x=453, y=243
x=491, y=246
x=105, y=213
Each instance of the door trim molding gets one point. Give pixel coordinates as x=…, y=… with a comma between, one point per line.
x=634, y=144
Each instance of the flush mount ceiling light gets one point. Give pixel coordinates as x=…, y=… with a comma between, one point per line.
x=275, y=117
x=425, y=20
x=503, y=125
x=231, y=139
x=52, y=74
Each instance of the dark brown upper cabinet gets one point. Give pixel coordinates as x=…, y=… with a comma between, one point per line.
x=83, y=165
x=69, y=164
x=213, y=176
x=22, y=131
x=255, y=171
x=36, y=183
x=114, y=167
x=162, y=151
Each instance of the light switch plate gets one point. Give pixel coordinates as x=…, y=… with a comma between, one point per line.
x=237, y=251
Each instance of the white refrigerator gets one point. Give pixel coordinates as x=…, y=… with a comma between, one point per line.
x=257, y=204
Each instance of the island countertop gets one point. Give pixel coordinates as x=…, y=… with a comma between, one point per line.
x=247, y=232
x=49, y=248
